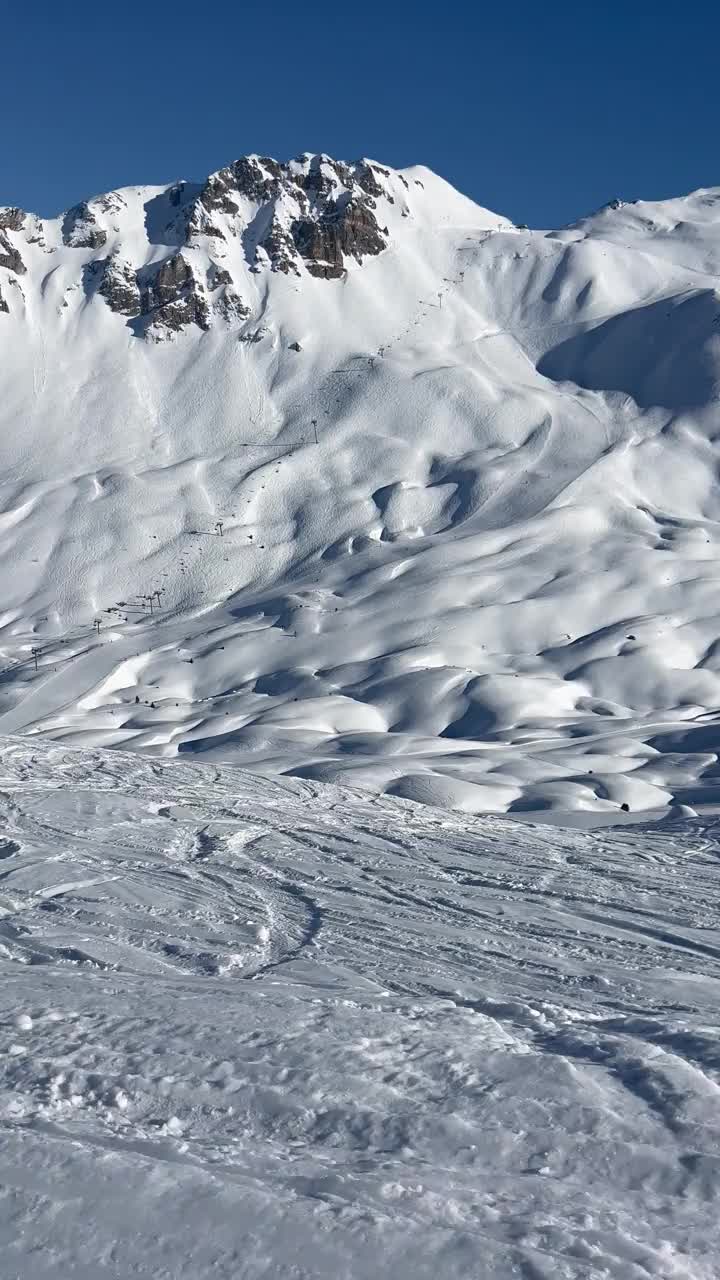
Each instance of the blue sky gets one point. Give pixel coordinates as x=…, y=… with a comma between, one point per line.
x=541, y=112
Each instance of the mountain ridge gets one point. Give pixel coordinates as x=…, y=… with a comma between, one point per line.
x=312, y=213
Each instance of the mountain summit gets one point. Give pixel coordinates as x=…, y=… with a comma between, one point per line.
x=181, y=256
x=320, y=468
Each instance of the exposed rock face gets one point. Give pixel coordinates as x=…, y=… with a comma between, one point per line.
x=215, y=195
x=230, y=305
x=280, y=248
x=349, y=230
x=80, y=229
x=226, y=301
x=217, y=276
x=199, y=222
x=318, y=211
x=255, y=335
x=119, y=287
x=367, y=178
x=12, y=218
x=260, y=180
x=173, y=298
x=341, y=220
x=3, y=304
x=318, y=244
x=10, y=256
x=321, y=179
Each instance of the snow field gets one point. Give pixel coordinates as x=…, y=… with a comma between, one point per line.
x=251, y=1026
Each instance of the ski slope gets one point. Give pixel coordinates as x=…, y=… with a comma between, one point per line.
x=261, y=1028
x=442, y=525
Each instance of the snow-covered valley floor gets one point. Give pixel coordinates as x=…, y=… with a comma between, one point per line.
x=270, y=1028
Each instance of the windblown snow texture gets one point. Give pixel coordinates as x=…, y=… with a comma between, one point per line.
x=323, y=470
x=255, y=1028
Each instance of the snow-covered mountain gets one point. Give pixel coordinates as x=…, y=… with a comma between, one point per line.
x=323, y=469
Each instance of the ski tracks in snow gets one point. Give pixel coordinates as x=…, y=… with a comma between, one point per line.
x=394, y=1037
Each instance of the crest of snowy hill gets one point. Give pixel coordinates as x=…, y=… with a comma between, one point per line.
x=320, y=468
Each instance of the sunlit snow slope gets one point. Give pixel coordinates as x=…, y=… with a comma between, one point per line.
x=430, y=501
x=255, y=1028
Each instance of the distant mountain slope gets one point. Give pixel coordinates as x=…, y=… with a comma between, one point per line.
x=322, y=468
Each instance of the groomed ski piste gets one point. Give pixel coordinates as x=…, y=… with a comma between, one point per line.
x=268, y=1028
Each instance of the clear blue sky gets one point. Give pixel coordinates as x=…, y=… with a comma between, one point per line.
x=539, y=111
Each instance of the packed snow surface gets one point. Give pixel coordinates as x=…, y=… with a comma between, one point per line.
x=444, y=525
x=257, y=1028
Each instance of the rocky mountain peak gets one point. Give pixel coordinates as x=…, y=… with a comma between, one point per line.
x=193, y=262
x=312, y=212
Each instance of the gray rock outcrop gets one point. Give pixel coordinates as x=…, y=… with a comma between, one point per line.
x=12, y=218
x=318, y=212
x=80, y=229
x=10, y=256
x=119, y=287
x=172, y=298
